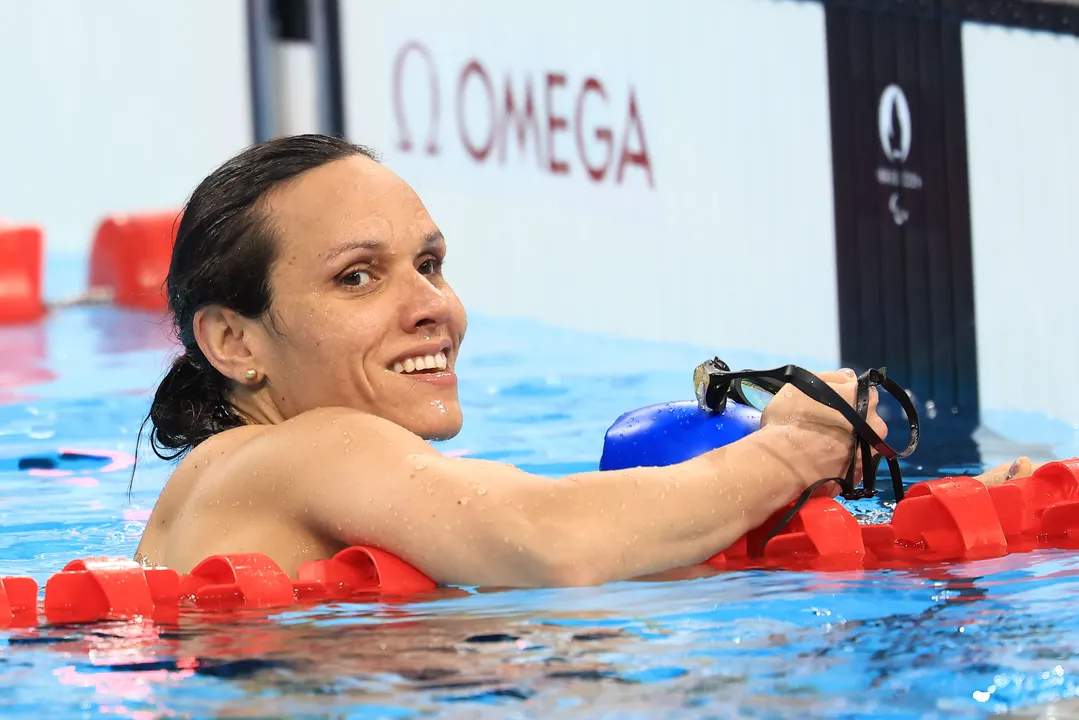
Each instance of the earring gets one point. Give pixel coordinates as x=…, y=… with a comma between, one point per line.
x=251, y=374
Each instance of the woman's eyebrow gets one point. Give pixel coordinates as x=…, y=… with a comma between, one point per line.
x=431, y=241
x=338, y=250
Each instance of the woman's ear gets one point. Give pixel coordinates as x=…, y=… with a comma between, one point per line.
x=225, y=338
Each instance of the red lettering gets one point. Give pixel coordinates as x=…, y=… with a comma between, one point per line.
x=602, y=134
x=554, y=122
x=405, y=134
x=515, y=114
x=640, y=157
x=522, y=124
x=478, y=153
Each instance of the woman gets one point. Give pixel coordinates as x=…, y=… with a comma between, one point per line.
x=320, y=339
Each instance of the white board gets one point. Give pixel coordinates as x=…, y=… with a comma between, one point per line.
x=116, y=106
x=1022, y=104
x=708, y=214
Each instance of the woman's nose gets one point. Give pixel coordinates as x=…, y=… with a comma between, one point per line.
x=425, y=304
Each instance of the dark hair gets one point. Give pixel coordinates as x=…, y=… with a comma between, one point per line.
x=224, y=248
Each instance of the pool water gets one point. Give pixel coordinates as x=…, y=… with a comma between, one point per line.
x=954, y=640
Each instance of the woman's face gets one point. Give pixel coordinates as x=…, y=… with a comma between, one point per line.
x=361, y=315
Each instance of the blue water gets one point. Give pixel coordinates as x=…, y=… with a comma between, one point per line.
x=957, y=640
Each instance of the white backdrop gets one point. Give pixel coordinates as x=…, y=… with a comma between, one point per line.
x=116, y=106
x=707, y=122
x=1022, y=105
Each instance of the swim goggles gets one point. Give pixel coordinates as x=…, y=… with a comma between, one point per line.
x=715, y=383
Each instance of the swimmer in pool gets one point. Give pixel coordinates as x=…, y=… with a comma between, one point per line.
x=320, y=338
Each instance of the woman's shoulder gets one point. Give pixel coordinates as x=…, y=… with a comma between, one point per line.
x=277, y=463
x=313, y=435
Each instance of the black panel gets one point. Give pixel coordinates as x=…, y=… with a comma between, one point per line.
x=902, y=203
x=1057, y=16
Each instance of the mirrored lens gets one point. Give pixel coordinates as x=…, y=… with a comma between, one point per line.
x=754, y=394
x=700, y=384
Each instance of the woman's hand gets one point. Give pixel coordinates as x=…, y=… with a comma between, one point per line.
x=1021, y=468
x=821, y=436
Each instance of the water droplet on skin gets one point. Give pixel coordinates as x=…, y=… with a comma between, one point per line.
x=788, y=393
x=481, y=491
x=463, y=501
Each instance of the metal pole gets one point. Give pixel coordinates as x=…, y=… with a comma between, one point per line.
x=325, y=36
x=260, y=42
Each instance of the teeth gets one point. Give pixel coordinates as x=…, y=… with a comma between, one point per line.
x=422, y=362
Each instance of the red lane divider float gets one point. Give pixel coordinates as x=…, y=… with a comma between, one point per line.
x=21, y=252
x=130, y=258
x=119, y=589
x=944, y=520
x=129, y=261
x=18, y=602
x=941, y=520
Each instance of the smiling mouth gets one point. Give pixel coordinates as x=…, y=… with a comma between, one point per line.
x=422, y=364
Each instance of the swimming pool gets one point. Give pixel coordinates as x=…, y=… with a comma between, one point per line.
x=955, y=640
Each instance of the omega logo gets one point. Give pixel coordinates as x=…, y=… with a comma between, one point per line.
x=533, y=112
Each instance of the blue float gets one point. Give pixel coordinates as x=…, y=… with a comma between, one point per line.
x=673, y=432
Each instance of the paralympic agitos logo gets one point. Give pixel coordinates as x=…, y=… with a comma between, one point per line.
x=571, y=127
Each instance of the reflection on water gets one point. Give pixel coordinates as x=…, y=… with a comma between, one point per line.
x=23, y=354
x=956, y=640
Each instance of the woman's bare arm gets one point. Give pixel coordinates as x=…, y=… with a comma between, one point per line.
x=364, y=480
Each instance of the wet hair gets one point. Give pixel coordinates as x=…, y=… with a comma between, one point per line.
x=224, y=249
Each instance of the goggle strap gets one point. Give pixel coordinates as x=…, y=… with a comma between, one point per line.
x=818, y=390
x=865, y=438
x=802, y=500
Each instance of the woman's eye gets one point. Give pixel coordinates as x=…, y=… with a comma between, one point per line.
x=430, y=266
x=356, y=278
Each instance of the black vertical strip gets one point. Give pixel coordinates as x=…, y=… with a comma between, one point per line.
x=909, y=274
x=955, y=130
x=866, y=239
x=838, y=30
x=928, y=268
x=335, y=80
x=889, y=237
x=945, y=377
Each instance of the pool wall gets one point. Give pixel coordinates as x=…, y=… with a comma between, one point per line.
x=833, y=182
